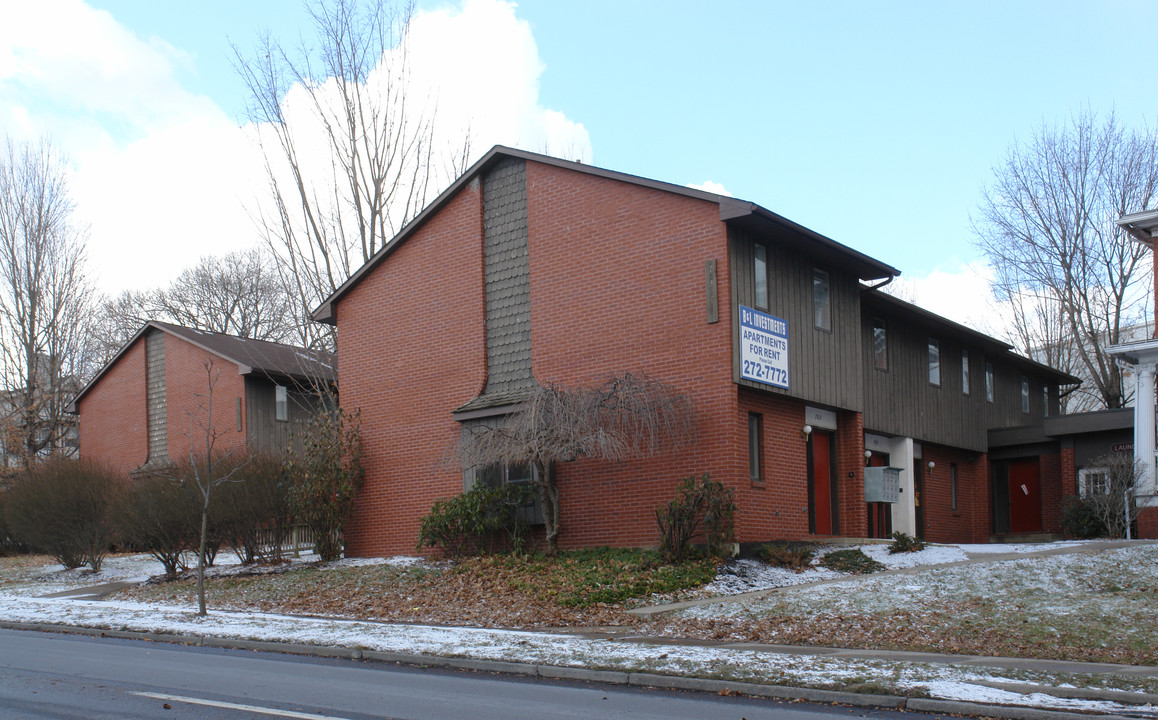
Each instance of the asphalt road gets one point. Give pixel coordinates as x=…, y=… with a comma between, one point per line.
x=45, y=675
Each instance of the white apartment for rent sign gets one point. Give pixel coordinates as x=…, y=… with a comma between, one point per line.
x=763, y=348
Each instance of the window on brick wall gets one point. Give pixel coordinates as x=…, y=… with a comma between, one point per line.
x=502, y=474
x=953, y=486
x=755, y=433
x=760, y=275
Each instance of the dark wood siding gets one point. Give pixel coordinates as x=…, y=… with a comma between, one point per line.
x=824, y=367
x=902, y=401
x=262, y=430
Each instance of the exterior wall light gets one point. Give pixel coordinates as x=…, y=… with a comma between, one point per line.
x=806, y=432
x=932, y=465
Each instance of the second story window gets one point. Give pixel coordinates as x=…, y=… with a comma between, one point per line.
x=935, y=362
x=1024, y=394
x=965, y=372
x=989, y=382
x=1045, y=400
x=821, y=300
x=880, y=345
x=280, y=403
x=760, y=271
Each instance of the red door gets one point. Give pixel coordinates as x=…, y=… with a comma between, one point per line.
x=1024, y=496
x=820, y=482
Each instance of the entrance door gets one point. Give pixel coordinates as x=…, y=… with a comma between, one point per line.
x=1024, y=496
x=821, y=481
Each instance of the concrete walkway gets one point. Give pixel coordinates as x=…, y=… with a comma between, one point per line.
x=91, y=592
x=654, y=611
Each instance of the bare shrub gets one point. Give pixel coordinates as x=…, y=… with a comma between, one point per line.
x=64, y=508
x=253, y=513
x=157, y=515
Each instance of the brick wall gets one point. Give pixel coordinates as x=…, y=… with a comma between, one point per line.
x=970, y=522
x=189, y=414
x=411, y=343
x=113, y=426
x=1148, y=524
x=113, y=420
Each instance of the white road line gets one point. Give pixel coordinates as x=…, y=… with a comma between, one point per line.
x=238, y=706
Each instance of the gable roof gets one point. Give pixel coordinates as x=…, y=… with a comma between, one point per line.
x=732, y=210
x=251, y=357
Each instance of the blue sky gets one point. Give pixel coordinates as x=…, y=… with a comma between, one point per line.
x=874, y=123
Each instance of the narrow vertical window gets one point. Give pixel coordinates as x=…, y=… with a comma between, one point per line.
x=281, y=403
x=760, y=268
x=1024, y=394
x=965, y=372
x=989, y=381
x=821, y=300
x=880, y=345
x=953, y=486
x=238, y=414
x=1045, y=400
x=754, y=465
x=934, y=362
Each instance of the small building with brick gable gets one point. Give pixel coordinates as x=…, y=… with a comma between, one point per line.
x=142, y=409
x=530, y=269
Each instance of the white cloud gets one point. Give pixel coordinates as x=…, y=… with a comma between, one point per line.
x=163, y=176
x=711, y=186
x=958, y=291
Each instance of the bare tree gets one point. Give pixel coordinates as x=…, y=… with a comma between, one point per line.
x=350, y=155
x=1047, y=226
x=45, y=298
x=1108, y=491
x=629, y=416
x=237, y=294
x=209, y=466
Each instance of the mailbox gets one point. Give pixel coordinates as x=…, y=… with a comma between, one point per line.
x=882, y=484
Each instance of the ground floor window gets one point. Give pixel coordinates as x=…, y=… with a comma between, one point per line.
x=502, y=474
x=1093, y=481
x=755, y=432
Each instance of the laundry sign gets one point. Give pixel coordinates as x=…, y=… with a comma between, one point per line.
x=763, y=348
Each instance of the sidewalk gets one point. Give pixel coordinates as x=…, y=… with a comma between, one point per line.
x=927, y=682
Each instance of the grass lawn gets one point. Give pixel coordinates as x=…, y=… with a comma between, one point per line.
x=1099, y=606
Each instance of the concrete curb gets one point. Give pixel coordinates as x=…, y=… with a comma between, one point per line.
x=557, y=672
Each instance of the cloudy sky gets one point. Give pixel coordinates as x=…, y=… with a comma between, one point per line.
x=876, y=124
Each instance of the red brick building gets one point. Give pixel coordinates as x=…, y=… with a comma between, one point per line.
x=152, y=399
x=530, y=269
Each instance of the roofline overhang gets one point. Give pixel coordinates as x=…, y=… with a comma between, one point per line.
x=1136, y=353
x=731, y=209
x=1142, y=226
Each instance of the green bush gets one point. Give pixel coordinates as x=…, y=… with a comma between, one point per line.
x=64, y=508
x=903, y=543
x=852, y=561
x=793, y=556
x=481, y=520
x=1081, y=519
x=679, y=521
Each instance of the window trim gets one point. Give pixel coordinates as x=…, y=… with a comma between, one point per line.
x=760, y=275
x=755, y=447
x=821, y=307
x=934, y=362
x=280, y=403
x=965, y=389
x=881, y=354
x=953, y=487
